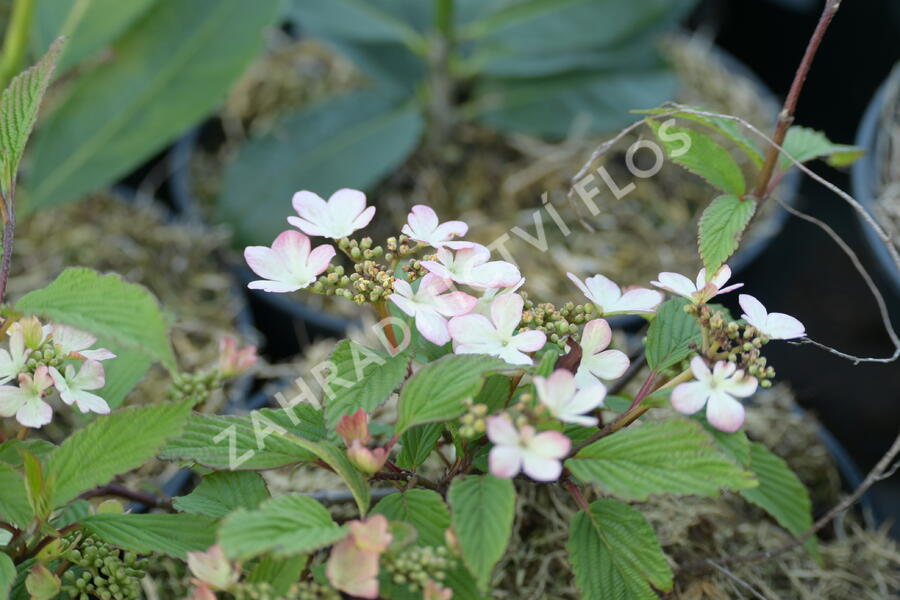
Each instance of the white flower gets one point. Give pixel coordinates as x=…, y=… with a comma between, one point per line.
x=344, y=213
x=489, y=295
x=472, y=266
x=74, y=343
x=288, y=265
x=422, y=225
x=12, y=362
x=73, y=389
x=431, y=306
x=717, y=390
x=567, y=403
x=596, y=361
x=26, y=401
x=608, y=298
x=476, y=334
x=775, y=326
x=698, y=292
x=537, y=454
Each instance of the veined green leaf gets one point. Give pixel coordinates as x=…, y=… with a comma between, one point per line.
x=417, y=444
x=280, y=573
x=111, y=445
x=360, y=378
x=171, y=70
x=670, y=457
x=701, y=155
x=173, y=535
x=220, y=493
x=436, y=393
x=284, y=526
x=423, y=509
x=354, y=141
x=721, y=228
x=7, y=575
x=19, y=105
x=14, y=505
x=615, y=554
x=483, y=507
x=365, y=20
x=781, y=494
x=671, y=335
x=806, y=144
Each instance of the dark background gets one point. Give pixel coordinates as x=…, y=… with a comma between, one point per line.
x=804, y=273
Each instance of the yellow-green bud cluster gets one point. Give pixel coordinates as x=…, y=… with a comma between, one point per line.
x=101, y=571
x=738, y=344
x=557, y=323
x=414, y=567
x=195, y=386
x=47, y=354
x=307, y=590
x=400, y=247
x=473, y=422
x=414, y=269
x=359, y=250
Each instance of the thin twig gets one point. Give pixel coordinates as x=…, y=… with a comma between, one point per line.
x=120, y=491
x=738, y=580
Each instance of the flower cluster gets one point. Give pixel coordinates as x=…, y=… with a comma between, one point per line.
x=455, y=293
x=47, y=358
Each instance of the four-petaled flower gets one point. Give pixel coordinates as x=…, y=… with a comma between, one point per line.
x=12, y=362
x=234, y=360
x=476, y=334
x=537, y=454
x=473, y=266
x=353, y=565
x=609, y=299
x=288, y=265
x=422, y=225
x=775, y=326
x=26, y=401
x=73, y=388
x=596, y=361
x=698, y=292
x=717, y=390
x=74, y=343
x=344, y=213
x=431, y=306
x=567, y=403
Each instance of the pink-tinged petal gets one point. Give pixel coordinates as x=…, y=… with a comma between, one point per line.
x=11, y=400
x=460, y=245
x=86, y=402
x=609, y=364
x=501, y=431
x=471, y=329
x=511, y=355
x=540, y=468
x=264, y=262
x=450, y=229
x=273, y=286
x=310, y=206
x=555, y=391
x=583, y=420
x=720, y=278
x=432, y=285
x=364, y=218
x=505, y=461
x=578, y=283
x=308, y=227
x=688, y=398
x=437, y=268
x=34, y=413
x=639, y=300
x=372, y=534
x=71, y=339
x=98, y=354
x=403, y=288
x=724, y=412
x=529, y=341
x=754, y=312
x=741, y=385
x=291, y=247
x=603, y=292
x=422, y=218
x=42, y=379
x=784, y=327
x=584, y=378
x=550, y=444
x=701, y=279
x=91, y=376
x=474, y=255
x=320, y=258
x=495, y=274
x=348, y=202
x=596, y=336
x=723, y=369
x=353, y=570
x=433, y=327
x=506, y=313
x=455, y=304
x=700, y=370
x=731, y=288
x=677, y=284
x=587, y=399
x=403, y=304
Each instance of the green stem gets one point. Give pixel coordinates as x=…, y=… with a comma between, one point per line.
x=16, y=40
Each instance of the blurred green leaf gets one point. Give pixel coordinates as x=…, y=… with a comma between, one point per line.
x=806, y=144
x=222, y=492
x=89, y=25
x=7, y=575
x=352, y=141
x=173, y=535
x=170, y=71
x=365, y=20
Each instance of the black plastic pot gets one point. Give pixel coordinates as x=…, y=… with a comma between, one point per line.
x=864, y=176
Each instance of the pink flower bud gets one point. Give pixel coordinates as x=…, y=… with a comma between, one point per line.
x=233, y=361
x=211, y=569
x=434, y=591
x=353, y=565
x=367, y=461
x=32, y=332
x=354, y=427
